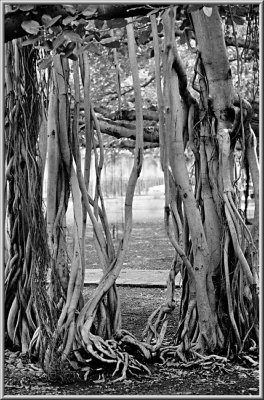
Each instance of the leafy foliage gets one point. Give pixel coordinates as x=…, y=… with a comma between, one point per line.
x=82, y=31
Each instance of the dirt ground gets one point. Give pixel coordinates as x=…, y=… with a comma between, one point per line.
x=149, y=249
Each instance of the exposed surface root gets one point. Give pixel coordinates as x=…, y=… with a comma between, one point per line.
x=124, y=353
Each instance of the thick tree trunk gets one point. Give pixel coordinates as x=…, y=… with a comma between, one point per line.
x=211, y=45
x=217, y=106
x=198, y=275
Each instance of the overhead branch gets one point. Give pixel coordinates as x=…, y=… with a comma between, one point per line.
x=121, y=129
x=128, y=131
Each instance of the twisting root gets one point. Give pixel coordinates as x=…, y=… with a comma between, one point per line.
x=123, y=351
x=124, y=372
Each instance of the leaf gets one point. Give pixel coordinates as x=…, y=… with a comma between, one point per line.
x=69, y=49
x=45, y=62
x=8, y=8
x=31, y=41
x=88, y=39
x=45, y=18
x=55, y=29
x=68, y=20
x=90, y=10
x=73, y=36
x=72, y=57
x=53, y=21
x=58, y=41
x=26, y=7
x=31, y=27
x=80, y=29
x=80, y=21
x=70, y=9
x=208, y=11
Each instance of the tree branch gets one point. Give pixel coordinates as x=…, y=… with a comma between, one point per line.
x=129, y=131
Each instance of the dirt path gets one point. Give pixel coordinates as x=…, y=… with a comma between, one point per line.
x=149, y=246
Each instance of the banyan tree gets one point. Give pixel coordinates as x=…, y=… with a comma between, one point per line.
x=47, y=89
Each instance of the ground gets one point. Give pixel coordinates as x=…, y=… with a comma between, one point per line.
x=150, y=249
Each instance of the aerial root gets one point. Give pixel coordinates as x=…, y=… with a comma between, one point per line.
x=34, y=344
x=155, y=331
x=150, y=325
